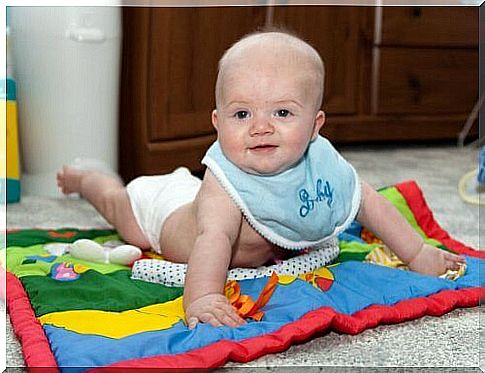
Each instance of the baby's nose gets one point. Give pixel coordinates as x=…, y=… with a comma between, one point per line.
x=261, y=126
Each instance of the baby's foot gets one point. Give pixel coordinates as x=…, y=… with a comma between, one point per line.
x=69, y=179
x=435, y=262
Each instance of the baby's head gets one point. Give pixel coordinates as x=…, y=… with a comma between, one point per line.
x=268, y=95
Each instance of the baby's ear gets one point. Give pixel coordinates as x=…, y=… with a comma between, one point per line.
x=318, y=123
x=214, y=119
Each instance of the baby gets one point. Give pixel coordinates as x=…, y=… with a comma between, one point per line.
x=272, y=183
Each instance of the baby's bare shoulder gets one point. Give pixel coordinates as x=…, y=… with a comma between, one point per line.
x=211, y=191
x=214, y=207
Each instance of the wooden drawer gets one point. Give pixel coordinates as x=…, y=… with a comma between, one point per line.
x=425, y=81
x=428, y=26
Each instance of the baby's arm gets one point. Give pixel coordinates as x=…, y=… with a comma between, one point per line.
x=218, y=224
x=381, y=217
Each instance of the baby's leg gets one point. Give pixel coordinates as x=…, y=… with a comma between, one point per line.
x=108, y=195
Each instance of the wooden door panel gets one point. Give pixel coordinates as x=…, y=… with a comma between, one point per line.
x=333, y=31
x=184, y=48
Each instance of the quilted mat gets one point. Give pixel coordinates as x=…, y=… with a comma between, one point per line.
x=70, y=313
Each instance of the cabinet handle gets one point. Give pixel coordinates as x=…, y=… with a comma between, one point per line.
x=414, y=82
x=415, y=86
x=416, y=12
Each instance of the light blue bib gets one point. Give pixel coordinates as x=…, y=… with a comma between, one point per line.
x=301, y=207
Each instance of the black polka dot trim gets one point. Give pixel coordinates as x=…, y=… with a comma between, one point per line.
x=173, y=274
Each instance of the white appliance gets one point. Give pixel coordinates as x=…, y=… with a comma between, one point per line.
x=67, y=67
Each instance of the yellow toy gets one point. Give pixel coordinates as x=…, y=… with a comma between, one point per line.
x=10, y=167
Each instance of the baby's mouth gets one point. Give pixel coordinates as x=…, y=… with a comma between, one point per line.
x=263, y=148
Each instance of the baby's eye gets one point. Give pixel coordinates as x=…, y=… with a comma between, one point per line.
x=242, y=114
x=282, y=113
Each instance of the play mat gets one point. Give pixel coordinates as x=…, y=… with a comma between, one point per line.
x=69, y=313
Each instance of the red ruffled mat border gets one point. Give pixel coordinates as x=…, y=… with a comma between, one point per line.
x=424, y=216
x=35, y=346
x=37, y=352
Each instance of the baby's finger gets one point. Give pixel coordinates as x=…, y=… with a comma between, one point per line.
x=225, y=317
x=455, y=258
x=235, y=319
x=192, y=322
x=461, y=259
x=228, y=321
x=209, y=318
x=453, y=265
x=232, y=313
x=238, y=319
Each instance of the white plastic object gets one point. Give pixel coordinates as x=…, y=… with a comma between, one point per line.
x=57, y=248
x=88, y=250
x=124, y=254
x=92, y=251
x=470, y=189
x=67, y=62
x=113, y=243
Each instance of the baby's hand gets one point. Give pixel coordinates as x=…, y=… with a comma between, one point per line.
x=435, y=262
x=214, y=309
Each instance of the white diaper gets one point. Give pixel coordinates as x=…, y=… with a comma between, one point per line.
x=154, y=198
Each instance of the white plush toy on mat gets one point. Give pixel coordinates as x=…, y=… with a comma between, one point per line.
x=94, y=252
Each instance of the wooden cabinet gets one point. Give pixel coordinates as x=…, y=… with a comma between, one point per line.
x=337, y=43
x=169, y=71
x=427, y=26
x=184, y=48
x=426, y=60
x=420, y=67
x=423, y=81
x=404, y=73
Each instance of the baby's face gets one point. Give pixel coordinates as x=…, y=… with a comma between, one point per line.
x=267, y=115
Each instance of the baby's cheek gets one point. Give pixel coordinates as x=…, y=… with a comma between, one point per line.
x=232, y=151
x=299, y=147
